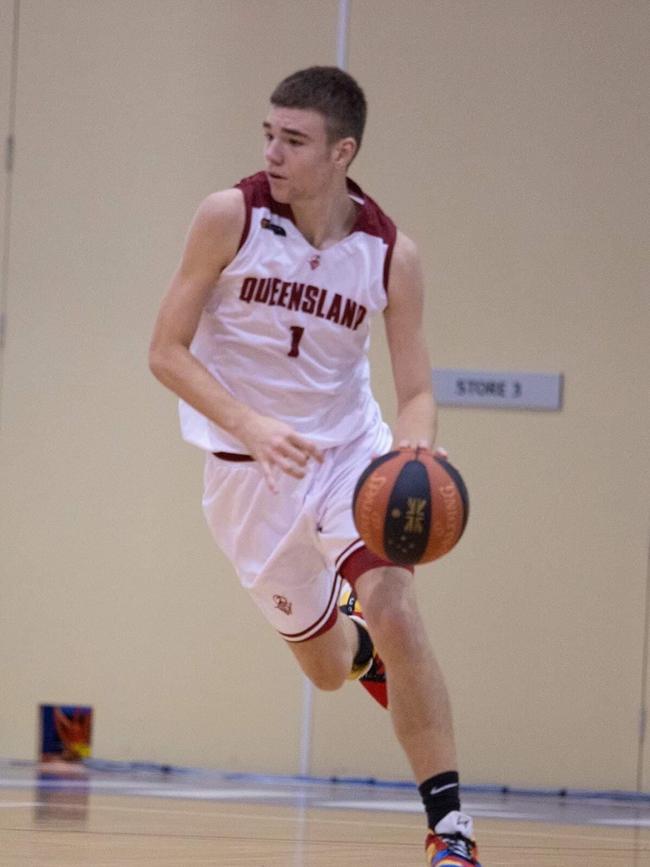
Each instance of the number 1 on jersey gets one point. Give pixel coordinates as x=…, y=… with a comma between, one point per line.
x=296, y=335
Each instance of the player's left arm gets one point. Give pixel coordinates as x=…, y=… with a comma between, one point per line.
x=416, y=408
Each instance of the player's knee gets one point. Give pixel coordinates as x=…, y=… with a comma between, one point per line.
x=395, y=629
x=326, y=660
x=327, y=678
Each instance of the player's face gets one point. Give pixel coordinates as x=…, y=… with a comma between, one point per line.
x=300, y=163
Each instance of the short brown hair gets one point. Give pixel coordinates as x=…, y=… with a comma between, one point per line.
x=330, y=91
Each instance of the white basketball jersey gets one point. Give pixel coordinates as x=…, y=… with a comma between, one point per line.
x=286, y=328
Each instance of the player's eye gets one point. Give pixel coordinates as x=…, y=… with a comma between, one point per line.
x=295, y=142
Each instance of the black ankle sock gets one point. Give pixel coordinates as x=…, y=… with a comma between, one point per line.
x=366, y=649
x=440, y=795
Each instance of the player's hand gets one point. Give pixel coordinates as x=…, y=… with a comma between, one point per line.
x=277, y=448
x=439, y=452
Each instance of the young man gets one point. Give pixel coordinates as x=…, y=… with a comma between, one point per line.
x=263, y=334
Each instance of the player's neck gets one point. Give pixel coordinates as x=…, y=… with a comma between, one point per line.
x=325, y=220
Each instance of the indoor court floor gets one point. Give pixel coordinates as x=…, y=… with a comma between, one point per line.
x=115, y=816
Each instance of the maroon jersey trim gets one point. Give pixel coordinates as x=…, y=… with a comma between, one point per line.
x=370, y=217
x=247, y=224
x=373, y=221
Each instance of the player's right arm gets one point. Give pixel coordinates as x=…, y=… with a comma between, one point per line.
x=211, y=244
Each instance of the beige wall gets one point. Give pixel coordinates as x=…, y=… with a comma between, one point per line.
x=507, y=138
x=522, y=172
x=6, y=40
x=112, y=592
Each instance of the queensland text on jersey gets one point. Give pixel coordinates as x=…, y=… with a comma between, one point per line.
x=286, y=327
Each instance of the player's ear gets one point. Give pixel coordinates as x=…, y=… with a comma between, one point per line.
x=344, y=151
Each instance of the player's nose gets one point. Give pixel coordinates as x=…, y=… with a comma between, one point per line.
x=273, y=153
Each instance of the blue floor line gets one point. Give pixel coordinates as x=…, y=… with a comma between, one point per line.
x=562, y=793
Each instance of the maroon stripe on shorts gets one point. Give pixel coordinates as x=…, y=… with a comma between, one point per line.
x=345, y=553
x=362, y=560
x=329, y=620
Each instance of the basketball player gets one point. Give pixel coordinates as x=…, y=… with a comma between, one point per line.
x=263, y=334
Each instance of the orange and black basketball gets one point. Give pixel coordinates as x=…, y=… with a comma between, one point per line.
x=410, y=506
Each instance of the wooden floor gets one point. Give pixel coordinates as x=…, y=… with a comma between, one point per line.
x=59, y=818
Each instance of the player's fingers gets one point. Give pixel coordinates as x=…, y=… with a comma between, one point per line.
x=293, y=453
x=417, y=444
x=295, y=473
x=269, y=476
x=292, y=466
x=291, y=469
x=440, y=452
x=307, y=447
x=412, y=444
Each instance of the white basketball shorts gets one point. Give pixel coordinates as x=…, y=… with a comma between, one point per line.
x=287, y=548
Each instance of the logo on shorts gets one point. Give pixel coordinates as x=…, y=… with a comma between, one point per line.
x=283, y=604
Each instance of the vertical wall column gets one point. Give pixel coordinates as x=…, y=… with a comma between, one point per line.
x=304, y=762
x=9, y=18
x=643, y=770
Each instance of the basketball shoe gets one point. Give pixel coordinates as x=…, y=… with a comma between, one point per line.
x=372, y=675
x=450, y=844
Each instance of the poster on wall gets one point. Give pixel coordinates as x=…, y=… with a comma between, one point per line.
x=65, y=732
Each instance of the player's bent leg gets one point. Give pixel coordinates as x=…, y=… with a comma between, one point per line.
x=418, y=697
x=327, y=659
x=368, y=667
